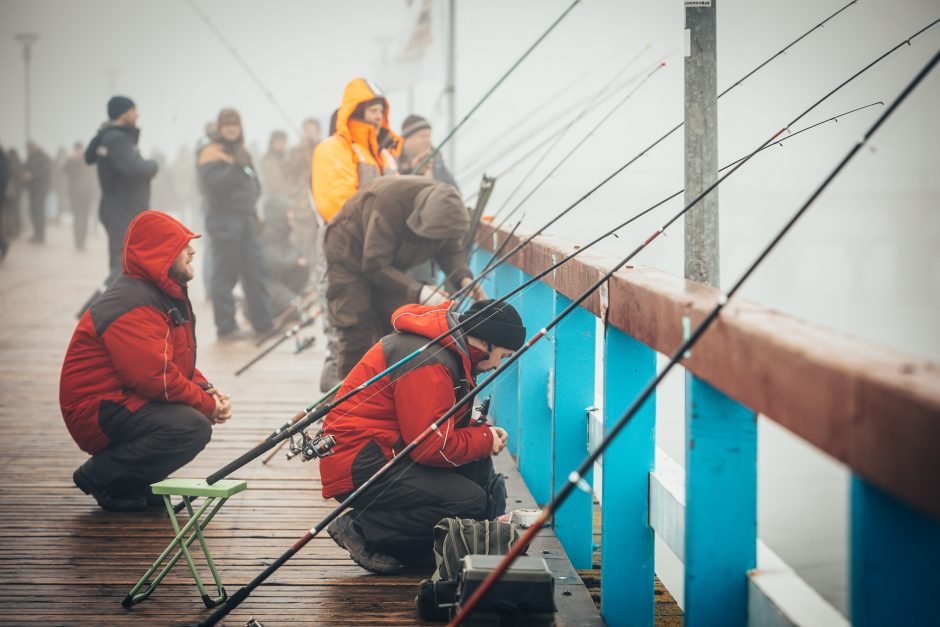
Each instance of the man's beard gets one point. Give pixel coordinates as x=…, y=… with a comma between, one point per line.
x=180, y=277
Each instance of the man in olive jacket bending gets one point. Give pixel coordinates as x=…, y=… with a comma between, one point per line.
x=389, y=226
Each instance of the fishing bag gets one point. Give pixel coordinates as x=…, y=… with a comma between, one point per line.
x=453, y=539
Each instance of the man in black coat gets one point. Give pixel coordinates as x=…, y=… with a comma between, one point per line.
x=123, y=174
x=230, y=185
x=37, y=175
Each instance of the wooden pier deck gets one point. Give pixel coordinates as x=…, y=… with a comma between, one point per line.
x=65, y=561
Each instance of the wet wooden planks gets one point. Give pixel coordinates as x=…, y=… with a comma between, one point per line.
x=64, y=561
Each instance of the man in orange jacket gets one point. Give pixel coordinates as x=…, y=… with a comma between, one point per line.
x=362, y=148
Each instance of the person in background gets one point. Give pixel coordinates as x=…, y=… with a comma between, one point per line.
x=12, y=211
x=231, y=187
x=305, y=232
x=361, y=148
x=288, y=269
x=273, y=166
x=4, y=180
x=416, y=134
x=123, y=174
x=80, y=187
x=37, y=177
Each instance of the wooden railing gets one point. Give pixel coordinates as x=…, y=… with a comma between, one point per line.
x=874, y=410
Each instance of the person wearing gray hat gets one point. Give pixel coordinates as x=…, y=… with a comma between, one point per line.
x=124, y=175
x=416, y=133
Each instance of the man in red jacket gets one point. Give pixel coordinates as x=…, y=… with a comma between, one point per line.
x=450, y=474
x=130, y=392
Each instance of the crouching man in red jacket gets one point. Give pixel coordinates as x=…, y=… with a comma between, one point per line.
x=130, y=392
x=451, y=473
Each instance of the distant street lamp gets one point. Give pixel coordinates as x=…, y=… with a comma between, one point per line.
x=27, y=40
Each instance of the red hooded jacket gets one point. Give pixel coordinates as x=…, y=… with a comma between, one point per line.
x=398, y=407
x=137, y=342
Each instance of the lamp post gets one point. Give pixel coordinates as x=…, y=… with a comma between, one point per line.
x=27, y=40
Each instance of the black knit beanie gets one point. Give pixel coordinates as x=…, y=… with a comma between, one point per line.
x=500, y=325
x=118, y=105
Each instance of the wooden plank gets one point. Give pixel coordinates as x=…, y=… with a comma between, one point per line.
x=64, y=561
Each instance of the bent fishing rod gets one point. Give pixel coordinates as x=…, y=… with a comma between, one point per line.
x=523, y=137
x=466, y=400
x=311, y=416
x=495, y=86
x=727, y=90
x=575, y=478
x=571, y=152
x=522, y=133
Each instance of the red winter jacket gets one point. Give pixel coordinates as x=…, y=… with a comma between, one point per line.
x=394, y=410
x=136, y=343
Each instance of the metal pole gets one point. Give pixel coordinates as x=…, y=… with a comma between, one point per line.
x=451, y=87
x=27, y=40
x=701, y=141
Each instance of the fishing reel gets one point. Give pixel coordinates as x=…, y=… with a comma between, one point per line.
x=303, y=343
x=320, y=445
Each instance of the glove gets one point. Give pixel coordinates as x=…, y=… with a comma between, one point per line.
x=431, y=296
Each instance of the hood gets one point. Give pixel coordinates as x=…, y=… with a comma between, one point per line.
x=152, y=243
x=439, y=213
x=431, y=321
x=358, y=91
x=95, y=149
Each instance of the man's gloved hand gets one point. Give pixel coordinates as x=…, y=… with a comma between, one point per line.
x=432, y=296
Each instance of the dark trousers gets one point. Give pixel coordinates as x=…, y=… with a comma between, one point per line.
x=37, y=214
x=146, y=447
x=116, y=227
x=398, y=513
x=81, y=205
x=359, y=313
x=237, y=256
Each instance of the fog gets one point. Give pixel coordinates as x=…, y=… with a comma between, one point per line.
x=865, y=261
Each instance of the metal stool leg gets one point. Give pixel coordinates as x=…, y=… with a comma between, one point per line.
x=220, y=590
x=135, y=596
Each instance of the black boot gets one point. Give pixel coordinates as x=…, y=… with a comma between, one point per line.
x=346, y=533
x=109, y=502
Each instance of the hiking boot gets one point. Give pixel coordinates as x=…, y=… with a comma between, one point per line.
x=346, y=533
x=111, y=503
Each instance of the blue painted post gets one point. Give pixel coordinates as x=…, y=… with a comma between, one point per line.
x=479, y=259
x=627, y=539
x=535, y=413
x=505, y=392
x=573, y=394
x=894, y=563
x=721, y=505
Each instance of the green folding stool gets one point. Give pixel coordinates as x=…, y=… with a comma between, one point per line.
x=188, y=488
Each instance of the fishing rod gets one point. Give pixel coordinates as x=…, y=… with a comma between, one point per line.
x=576, y=477
x=492, y=89
x=571, y=152
x=727, y=90
x=314, y=414
x=461, y=404
x=305, y=322
x=450, y=276
x=297, y=307
x=521, y=136
x=244, y=65
x=613, y=231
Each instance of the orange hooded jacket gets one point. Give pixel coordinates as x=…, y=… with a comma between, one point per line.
x=352, y=156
